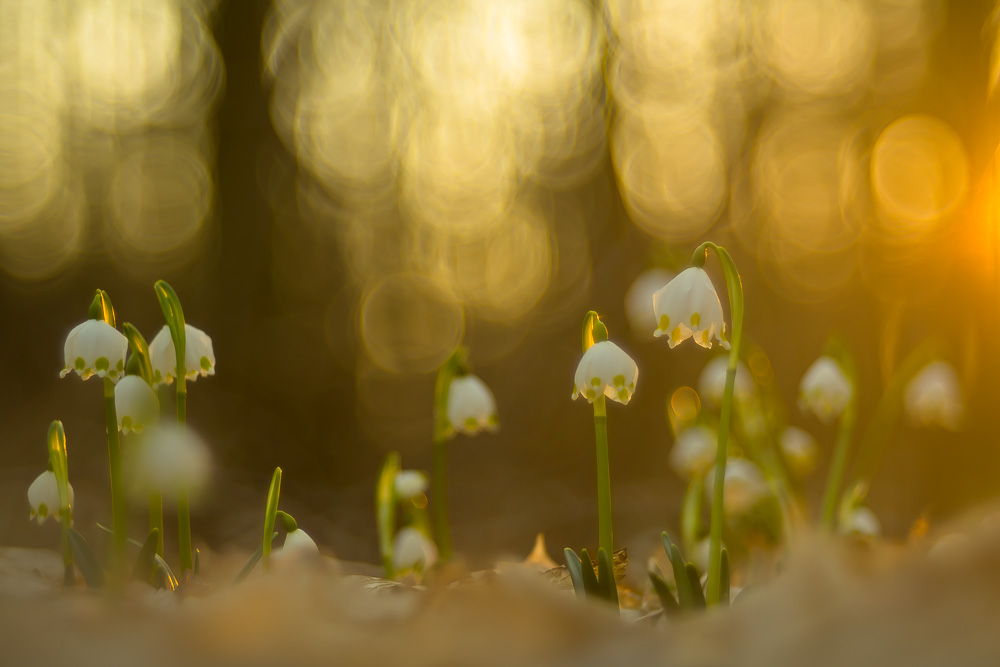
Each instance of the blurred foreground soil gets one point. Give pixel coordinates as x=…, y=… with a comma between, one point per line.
x=835, y=603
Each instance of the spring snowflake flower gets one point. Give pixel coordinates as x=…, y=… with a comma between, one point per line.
x=43, y=496
x=640, y=316
x=136, y=404
x=933, y=397
x=799, y=449
x=861, y=521
x=199, y=357
x=409, y=484
x=173, y=461
x=298, y=544
x=744, y=486
x=689, y=307
x=471, y=406
x=712, y=382
x=606, y=369
x=693, y=452
x=413, y=550
x=95, y=348
x=825, y=390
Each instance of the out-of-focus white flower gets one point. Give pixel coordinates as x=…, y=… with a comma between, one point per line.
x=934, y=397
x=471, y=406
x=136, y=404
x=409, y=484
x=173, y=461
x=43, y=496
x=744, y=486
x=861, y=521
x=799, y=450
x=199, y=357
x=95, y=348
x=412, y=550
x=693, y=452
x=638, y=297
x=689, y=307
x=712, y=382
x=824, y=390
x=606, y=369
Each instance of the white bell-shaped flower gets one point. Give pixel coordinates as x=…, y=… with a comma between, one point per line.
x=298, y=544
x=689, y=307
x=637, y=299
x=712, y=382
x=861, y=521
x=606, y=369
x=693, y=452
x=199, y=357
x=825, y=390
x=412, y=550
x=744, y=486
x=172, y=460
x=934, y=397
x=799, y=449
x=95, y=348
x=136, y=404
x=471, y=406
x=409, y=484
x=43, y=496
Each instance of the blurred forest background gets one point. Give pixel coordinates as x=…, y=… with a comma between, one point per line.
x=341, y=191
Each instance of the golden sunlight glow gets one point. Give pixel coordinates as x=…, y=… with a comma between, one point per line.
x=920, y=174
x=103, y=105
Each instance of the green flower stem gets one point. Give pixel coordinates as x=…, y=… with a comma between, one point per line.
x=119, y=520
x=440, y=497
x=691, y=512
x=836, y=475
x=876, y=438
x=60, y=467
x=735, y=289
x=385, y=510
x=183, y=502
x=605, y=532
x=156, y=519
x=270, y=514
x=439, y=491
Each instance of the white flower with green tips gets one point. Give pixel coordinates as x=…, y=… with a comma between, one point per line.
x=136, y=404
x=412, y=550
x=693, y=452
x=934, y=397
x=605, y=370
x=689, y=307
x=799, y=449
x=409, y=484
x=95, y=348
x=43, y=496
x=471, y=406
x=825, y=390
x=712, y=382
x=199, y=357
x=743, y=488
